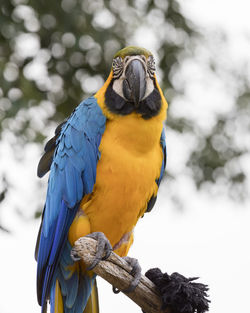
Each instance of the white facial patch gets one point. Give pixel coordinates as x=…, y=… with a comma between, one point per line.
x=117, y=87
x=118, y=83
x=149, y=86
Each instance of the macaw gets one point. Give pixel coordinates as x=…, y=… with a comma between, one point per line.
x=106, y=163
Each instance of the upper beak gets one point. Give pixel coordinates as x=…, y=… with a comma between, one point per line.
x=134, y=85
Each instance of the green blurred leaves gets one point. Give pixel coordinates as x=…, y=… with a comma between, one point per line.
x=53, y=54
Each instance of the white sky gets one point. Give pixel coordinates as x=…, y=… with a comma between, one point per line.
x=209, y=239
x=232, y=16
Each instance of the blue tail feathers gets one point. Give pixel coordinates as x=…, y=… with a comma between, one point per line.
x=75, y=285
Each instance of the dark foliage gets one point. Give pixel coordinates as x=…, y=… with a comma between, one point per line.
x=68, y=50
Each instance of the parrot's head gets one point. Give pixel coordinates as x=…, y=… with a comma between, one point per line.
x=133, y=74
x=132, y=86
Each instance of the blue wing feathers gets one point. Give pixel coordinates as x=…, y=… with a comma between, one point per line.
x=60, y=227
x=164, y=150
x=73, y=173
x=72, y=288
x=76, y=140
x=75, y=288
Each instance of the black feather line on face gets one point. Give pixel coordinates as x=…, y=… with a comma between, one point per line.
x=148, y=107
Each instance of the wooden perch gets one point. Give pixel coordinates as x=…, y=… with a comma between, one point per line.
x=116, y=271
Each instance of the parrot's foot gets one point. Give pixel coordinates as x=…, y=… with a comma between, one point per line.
x=103, y=247
x=136, y=272
x=74, y=255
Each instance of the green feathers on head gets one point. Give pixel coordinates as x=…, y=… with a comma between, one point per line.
x=132, y=50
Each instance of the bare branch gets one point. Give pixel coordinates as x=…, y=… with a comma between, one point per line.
x=116, y=271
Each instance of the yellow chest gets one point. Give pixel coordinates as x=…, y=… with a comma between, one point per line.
x=131, y=158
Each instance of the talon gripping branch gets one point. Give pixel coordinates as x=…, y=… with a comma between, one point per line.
x=106, y=163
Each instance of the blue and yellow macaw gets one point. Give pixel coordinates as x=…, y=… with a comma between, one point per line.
x=106, y=163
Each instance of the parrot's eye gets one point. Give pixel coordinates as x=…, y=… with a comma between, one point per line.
x=151, y=66
x=117, y=66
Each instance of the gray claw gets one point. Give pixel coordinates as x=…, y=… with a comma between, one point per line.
x=103, y=247
x=95, y=262
x=74, y=256
x=136, y=272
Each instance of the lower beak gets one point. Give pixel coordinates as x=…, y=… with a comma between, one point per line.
x=134, y=85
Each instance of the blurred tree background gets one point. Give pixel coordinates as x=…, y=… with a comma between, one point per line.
x=54, y=54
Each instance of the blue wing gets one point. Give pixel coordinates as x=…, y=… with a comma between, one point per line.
x=72, y=163
x=164, y=161
x=152, y=200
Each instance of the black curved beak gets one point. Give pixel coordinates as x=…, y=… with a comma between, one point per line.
x=134, y=86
